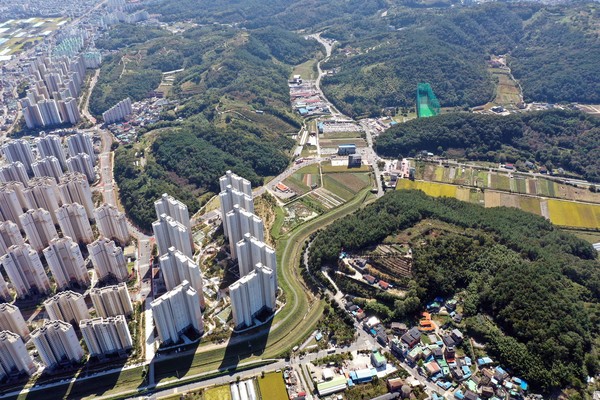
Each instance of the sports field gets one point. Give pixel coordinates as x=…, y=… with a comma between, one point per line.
x=577, y=215
x=430, y=188
x=272, y=387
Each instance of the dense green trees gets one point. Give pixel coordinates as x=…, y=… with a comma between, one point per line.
x=538, y=284
x=557, y=138
x=559, y=57
x=140, y=187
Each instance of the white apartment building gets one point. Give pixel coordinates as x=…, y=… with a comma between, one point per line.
x=241, y=222
x=38, y=227
x=66, y=263
x=67, y=306
x=173, y=208
x=73, y=222
x=57, y=343
x=14, y=358
x=9, y=235
x=81, y=143
x=14, y=172
x=43, y=193
x=252, y=294
x=12, y=320
x=176, y=311
x=170, y=233
x=19, y=150
x=74, y=188
x=112, y=223
x=176, y=267
x=47, y=166
x=4, y=292
x=10, y=204
x=252, y=251
x=234, y=191
x=25, y=270
x=104, y=336
x=111, y=301
x=108, y=260
x=51, y=146
x=83, y=164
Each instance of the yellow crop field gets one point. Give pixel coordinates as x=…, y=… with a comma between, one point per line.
x=430, y=188
x=578, y=215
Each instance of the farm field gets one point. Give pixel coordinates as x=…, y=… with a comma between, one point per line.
x=430, y=188
x=572, y=214
x=272, y=387
x=345, y=185
x=327, y=168
x=341, y=135
x=305, y=70
x=218, y=393
x=302, y=180
x=507, y=90
x=359, y=142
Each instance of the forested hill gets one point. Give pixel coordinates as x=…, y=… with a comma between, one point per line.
x=231, y=109
x=558, y=138
x=539, y=286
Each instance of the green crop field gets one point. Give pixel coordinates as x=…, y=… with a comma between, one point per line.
x=272, y=387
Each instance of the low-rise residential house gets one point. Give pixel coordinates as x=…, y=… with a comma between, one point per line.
x=399, y=328
x=411, y=337
x=457, y=336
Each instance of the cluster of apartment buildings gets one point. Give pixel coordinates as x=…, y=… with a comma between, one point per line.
x=46, y=218
x=56, y=341
x=55, y=85
x=180, y=308
x=256, y=289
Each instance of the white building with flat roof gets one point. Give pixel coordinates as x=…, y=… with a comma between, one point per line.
x=108, y=260
x=14, y=358
x=66, y=263
x=111, y=301
x=74, y=223
x=12, y=320
x=176, y=311
x=112, y=223
x=25, y=270
x=176, y=267
x=67, y=306
x=57, y=343
x=252, y=294
x=39, y=228
x=105, y=336
x=170, y=233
